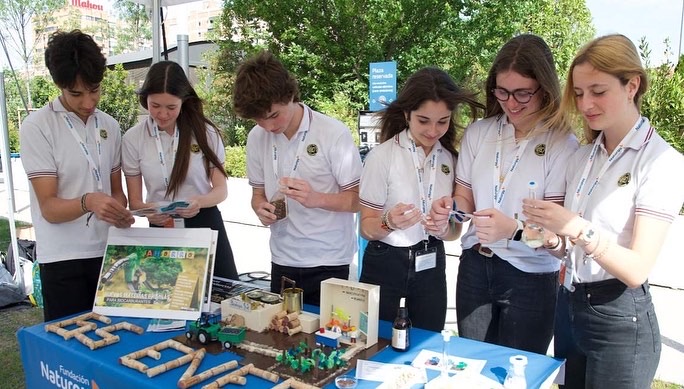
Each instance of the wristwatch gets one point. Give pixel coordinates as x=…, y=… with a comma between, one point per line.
x=517, y=235
x=384, y=222
x=586, y=236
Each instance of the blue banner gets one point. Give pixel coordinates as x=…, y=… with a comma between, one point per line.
x=382, y=81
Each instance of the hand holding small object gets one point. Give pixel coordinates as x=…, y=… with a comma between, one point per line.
x=460, y=215
x=266, y=213
x=492, y=226
x=191, y=209
x=403, y=216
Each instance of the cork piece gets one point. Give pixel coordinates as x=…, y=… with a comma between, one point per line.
x=267, y=375
x=236, y=377
x=294, y=384
x=194, y=364
x=205, y=375
x=83, y=317
x=133, y=364
x=180, y=361
x=87, y=326
x=154, y=352
x=125, y=326
x=295, y=330
x=258, y=348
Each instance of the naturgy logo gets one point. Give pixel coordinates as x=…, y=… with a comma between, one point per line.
x=64, y=378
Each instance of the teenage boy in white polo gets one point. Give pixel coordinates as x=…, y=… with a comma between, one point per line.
x=71, y=152
x=309, y=158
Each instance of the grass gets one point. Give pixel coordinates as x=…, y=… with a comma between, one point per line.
x=5, y=236
x=11, y=319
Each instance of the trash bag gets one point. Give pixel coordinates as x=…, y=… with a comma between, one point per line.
x=27, y=250
x=27, y=257
x=10, y=293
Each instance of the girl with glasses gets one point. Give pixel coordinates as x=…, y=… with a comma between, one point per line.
x=506, y=290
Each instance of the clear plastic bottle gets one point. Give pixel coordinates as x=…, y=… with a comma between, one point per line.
x=533, y=234
x=401, y=328
x=515, y=377
x=446, y=337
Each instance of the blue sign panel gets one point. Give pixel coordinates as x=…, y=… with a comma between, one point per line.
x=383, y=84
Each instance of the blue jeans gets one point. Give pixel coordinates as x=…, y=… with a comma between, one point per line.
x=608, y=334
x=393, y=268
x=497, y=303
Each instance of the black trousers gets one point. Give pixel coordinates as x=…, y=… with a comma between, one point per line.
x=393, y=268
x=69, y=286
x=307, y=278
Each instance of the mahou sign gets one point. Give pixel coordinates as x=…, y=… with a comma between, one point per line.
x=86, y=4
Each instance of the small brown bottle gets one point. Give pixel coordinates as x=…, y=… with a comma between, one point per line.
x=401, y=328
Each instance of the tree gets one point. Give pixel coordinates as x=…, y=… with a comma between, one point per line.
x=161, y=271
x=15, y=18
x=329, y=45
x=138, y=29
x=119, y=98
x=43, y=90
x=663, y=103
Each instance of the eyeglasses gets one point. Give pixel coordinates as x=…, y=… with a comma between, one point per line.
x=520, y=95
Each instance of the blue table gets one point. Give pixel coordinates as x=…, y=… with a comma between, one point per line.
x=50, y=361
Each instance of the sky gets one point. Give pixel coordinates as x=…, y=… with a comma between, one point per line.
x=654, y=19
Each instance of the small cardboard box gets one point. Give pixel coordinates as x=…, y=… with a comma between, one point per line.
x=353, y=305
x=309, y=322
x=256, y=319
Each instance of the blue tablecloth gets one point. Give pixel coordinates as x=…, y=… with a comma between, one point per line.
x=50, y=361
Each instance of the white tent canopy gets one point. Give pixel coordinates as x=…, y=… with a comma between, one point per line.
x=155, y=7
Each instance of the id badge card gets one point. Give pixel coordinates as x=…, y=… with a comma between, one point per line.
x=175, y=222
x=565, y=274
x=426, y=259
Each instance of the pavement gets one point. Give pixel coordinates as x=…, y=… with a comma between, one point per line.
x=249, y=241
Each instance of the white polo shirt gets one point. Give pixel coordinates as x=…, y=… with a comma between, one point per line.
x=544, y=161
x=48, y=149
x=330, y=163
x=140, y=156
x=645, y=180
x=389, y=178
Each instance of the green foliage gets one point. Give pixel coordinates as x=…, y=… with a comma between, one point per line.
x=565, y=25
x=119, y=98
x=329, y=45
x=161, y=271
x=236, y=161
x=663, y=103
x=15, y=20
x=15, y=110
x=43, y=90
x=138, y=29
x=342, y=107
x=13, y=133
x=215, y=89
